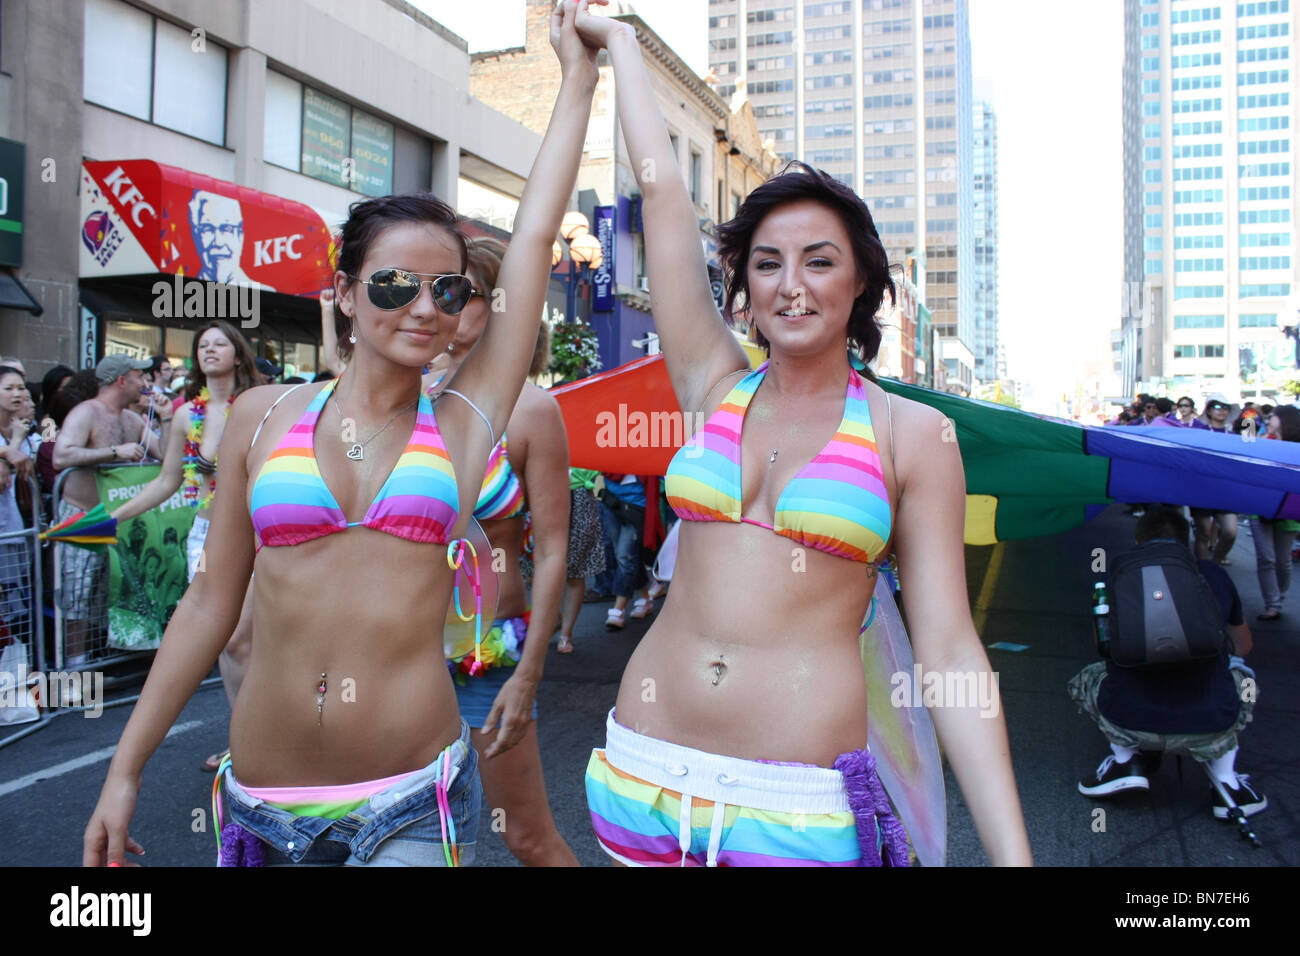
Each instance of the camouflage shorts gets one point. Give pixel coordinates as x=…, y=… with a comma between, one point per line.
x=1208, y=746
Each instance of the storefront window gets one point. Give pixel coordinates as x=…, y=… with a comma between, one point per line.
x=179, y=348
x=133, y=339
x=300, y=359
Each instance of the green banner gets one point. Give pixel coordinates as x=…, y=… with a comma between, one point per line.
x=147, y=566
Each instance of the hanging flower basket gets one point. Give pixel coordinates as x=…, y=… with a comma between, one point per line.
x=575, y=350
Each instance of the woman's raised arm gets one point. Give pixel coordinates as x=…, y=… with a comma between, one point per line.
x=494, y=373
x=697, y=345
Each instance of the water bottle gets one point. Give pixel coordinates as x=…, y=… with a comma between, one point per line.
x=1101, y=618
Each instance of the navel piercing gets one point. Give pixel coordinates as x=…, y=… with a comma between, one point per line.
x=320, y=698
x=773, y=455
x=717, y=674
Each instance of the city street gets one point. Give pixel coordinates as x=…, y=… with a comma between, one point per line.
x=1032, y=592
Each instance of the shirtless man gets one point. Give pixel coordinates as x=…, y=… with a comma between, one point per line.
x=100, y=431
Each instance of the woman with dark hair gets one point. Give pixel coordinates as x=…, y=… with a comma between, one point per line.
x=1273, y=539
x=351, y=500
x=221, y=367
x=799, y=481
x=51, y=382
x=1184, y=413
x=526, y=485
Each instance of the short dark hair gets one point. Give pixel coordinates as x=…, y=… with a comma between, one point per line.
x=795, y=183
x=367, y=218
x=324, y=375
x=1164, y=406
x=1162, y=523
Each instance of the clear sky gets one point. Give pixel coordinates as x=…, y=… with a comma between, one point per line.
x=1053, y=73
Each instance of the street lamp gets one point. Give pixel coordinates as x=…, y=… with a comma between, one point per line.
x=585, y=254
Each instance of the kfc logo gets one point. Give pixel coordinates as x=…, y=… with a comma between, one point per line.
x=126, y=193
x=269, y=251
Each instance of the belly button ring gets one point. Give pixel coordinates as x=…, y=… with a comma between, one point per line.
x=717, y=673
x=320, y=698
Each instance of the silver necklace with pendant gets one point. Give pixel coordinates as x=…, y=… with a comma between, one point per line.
x=357, y=451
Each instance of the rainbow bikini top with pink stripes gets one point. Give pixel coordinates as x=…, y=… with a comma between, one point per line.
x=291, y=503
x=837, y=503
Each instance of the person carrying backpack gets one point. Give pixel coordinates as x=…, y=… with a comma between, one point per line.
x=1170, y=680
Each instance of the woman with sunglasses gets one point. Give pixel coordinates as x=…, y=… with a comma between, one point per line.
x=740, y=729
x=1184, y=414
x=525, y=493
x=351, y=500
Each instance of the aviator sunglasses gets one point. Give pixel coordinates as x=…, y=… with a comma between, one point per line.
x=391, y=289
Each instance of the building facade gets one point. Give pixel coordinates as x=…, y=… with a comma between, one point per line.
x=988, y=368
x=887, y=115
x=219, y=143
x=720, y=155
x=1217, y=115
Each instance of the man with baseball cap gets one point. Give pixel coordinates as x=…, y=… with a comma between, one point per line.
x=100, y=431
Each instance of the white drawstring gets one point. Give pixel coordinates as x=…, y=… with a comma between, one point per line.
x=715, y=833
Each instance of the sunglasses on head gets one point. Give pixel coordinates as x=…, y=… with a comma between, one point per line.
x=395, y=288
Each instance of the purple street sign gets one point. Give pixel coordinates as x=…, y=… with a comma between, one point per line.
x=602, y=282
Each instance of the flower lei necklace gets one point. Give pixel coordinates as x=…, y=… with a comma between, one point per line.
x=193, y=442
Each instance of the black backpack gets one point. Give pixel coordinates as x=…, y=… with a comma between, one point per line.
x=1162, y=610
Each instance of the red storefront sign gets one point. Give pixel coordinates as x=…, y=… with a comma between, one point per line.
x=141, y=217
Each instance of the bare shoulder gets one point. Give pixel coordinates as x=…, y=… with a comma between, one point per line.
x=252, y=405
x=919, y=432
x=536, y=416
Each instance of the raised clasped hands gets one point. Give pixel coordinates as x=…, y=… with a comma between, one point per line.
x=576, y=50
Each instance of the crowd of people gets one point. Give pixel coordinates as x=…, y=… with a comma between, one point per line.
x=341, y=535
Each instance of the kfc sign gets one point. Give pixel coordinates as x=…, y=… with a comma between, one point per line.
x=191, y=225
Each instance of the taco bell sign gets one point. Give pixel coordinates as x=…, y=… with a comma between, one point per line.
x=602, y=282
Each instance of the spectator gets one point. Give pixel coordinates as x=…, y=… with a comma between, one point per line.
x=623, y=516
x=1185, y=414
x=268, y=370
x=159, y=373
x=1273, y=539
x=54, y=380
x=1198, y=702
x=99, y=431
x=75, y=390
x=16, y=467
x=1218, y=414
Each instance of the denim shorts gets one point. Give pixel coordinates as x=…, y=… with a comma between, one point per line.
x=399, y=826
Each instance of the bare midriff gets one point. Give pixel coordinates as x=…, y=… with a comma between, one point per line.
x=367, y=609
x=755, y=654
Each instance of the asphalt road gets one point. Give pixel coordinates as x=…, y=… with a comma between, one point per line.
x=1033, y=592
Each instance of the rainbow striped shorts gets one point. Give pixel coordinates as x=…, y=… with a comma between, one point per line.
x=655, y=803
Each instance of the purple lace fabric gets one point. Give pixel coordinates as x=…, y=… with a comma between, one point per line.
x=240, y=848
x=870, y=809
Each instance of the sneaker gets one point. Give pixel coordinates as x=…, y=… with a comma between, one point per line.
x=642, y=608
x=614, y=620
x=1244, y=796
x=1114, y=777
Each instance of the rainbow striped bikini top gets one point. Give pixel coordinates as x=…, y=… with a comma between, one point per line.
x=502, y=496
x=837, y=503
x=291, y=503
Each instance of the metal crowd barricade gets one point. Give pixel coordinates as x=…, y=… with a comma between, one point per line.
x=81, y=599
x=22, y=620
